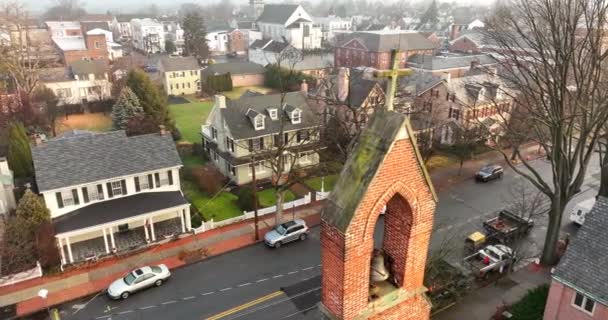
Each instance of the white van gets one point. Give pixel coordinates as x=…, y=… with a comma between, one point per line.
x=577, y=215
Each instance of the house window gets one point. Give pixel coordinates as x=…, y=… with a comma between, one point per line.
x=230, y=168
x=171, y=86
x=97, y=45
x=296, y=116
x=214, y=155
x=188, y=85
x=164, y=178
x=229, y=144
x=303, y=135
x=260, y=167
x=64, y=93
x=67, y=197
x=116, y=188
x=583, y=303
x=144, y=182
x=95, y=192
x=213, y=133
x=273, y=114
x=306, y=157
x=256, y=144
x=259, y=123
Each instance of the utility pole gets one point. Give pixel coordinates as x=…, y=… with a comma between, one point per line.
x=255, y=199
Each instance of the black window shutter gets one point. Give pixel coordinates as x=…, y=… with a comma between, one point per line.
x=299, y=136
x=75, y=195
x=59, y=199
x=157, y=178
x=85, y=195
x=286, y=138
x=170, y=175
x=150, y=182
x=250, y=145
x=137, y=188
x=99, y=192
x=110, y=193
x=261, y=143
x=123, y=184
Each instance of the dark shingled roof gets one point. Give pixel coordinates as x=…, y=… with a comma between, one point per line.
x=277, y=13
x=251, y=93
x=245, y=25
x=450, y=62
x=234, y=68
x=583, y=267
x=83, y=159
x=179, y=63
x=418, y=82
x=384, y=41
x=121, y=208
x=235, y=114
x=54, y=74
x=88, y=26
x=362, y=166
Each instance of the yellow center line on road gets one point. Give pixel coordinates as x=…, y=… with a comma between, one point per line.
x=245, y=305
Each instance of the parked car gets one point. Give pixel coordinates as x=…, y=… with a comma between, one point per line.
x=138, y=279
x=489, y=172
x=580, y=210
x=489, y=259
x=286, y=232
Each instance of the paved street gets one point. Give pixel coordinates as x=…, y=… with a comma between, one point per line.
x=260, y=283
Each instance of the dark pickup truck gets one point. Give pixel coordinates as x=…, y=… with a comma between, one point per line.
x=507, y=226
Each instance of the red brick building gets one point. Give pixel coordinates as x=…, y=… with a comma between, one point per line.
x=88, y=47
x=237, y=41
x=374, y=177
x=579, y=289
x=373, y=48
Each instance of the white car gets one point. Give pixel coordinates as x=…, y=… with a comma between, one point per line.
x=138, y=279
x=580, y=210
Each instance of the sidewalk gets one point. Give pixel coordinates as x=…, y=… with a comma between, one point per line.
x=482, y=305
x=78, y=283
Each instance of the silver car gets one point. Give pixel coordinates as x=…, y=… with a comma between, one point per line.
x=286, y=232
x=138, y=279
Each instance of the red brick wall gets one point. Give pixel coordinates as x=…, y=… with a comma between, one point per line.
x=351, y=57
x=408, y=224
x=465, y=45
x=559, y=305
x=247, y=80
x=237, y=42
x=91, y=53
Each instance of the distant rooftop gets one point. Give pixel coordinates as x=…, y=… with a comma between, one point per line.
x=449, y=62
x=70, y=43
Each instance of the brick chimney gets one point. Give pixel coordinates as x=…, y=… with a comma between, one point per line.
x=343, y=83
x=304, y=87
x=220, y=101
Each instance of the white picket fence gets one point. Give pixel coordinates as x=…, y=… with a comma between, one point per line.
x=35, y=272
x=206, y=226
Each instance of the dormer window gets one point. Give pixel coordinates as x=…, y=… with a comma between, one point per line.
x=259, y=122
x=273, y=113
x=296, y=116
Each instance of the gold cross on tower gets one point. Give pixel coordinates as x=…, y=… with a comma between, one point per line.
x=392, y=74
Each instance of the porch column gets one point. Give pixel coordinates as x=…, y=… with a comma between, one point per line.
x=146, y=230
x=63, y=261
x=152, y=228
x=112, y=239
x=188, y=222
x=67, y=242
x=181, y=218
x=105, y=240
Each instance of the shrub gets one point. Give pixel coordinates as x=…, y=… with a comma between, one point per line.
x=208, y=179
x=245, y=198
x=196, y=219
x=176, y=134
x=48, y=253
x=532, y=305
x=275, y=77
x=220, y=82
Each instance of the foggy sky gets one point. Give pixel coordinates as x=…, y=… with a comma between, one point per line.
x=126, y=6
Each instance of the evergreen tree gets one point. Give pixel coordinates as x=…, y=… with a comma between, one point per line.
x=431, y=15
x=19, y=152
x=170, y=46
x=31, y=208
x=151, y=99
x=195, y=35
x=126, y=107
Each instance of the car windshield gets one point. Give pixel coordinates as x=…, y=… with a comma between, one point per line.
x=156, y=269
x=281, y=230
x=487, y=169
x=129, y=279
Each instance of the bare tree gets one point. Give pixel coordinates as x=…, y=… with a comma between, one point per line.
x=281, y=156
x=551, y=54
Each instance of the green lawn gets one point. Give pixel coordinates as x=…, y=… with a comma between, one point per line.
x=220, y=208
x=267, y=198
x=238, y=92
x=328, y=185
x=193, y=161
x=189, y=117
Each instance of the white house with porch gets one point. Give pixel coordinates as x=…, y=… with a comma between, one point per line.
x=109, y=193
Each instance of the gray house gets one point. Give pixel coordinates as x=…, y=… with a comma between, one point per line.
x=238, y=132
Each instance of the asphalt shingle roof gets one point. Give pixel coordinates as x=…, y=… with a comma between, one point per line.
x=384, y=41
x=179, y=63
x=117, y=209
x=583, y=267
x=81, y=159
x=451, y=62
x=234, y=68
x=277, y=13
x=239, y=125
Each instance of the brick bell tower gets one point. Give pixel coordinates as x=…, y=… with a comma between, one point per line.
x=384, y=169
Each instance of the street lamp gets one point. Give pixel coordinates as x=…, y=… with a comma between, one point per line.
x=43, y=294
